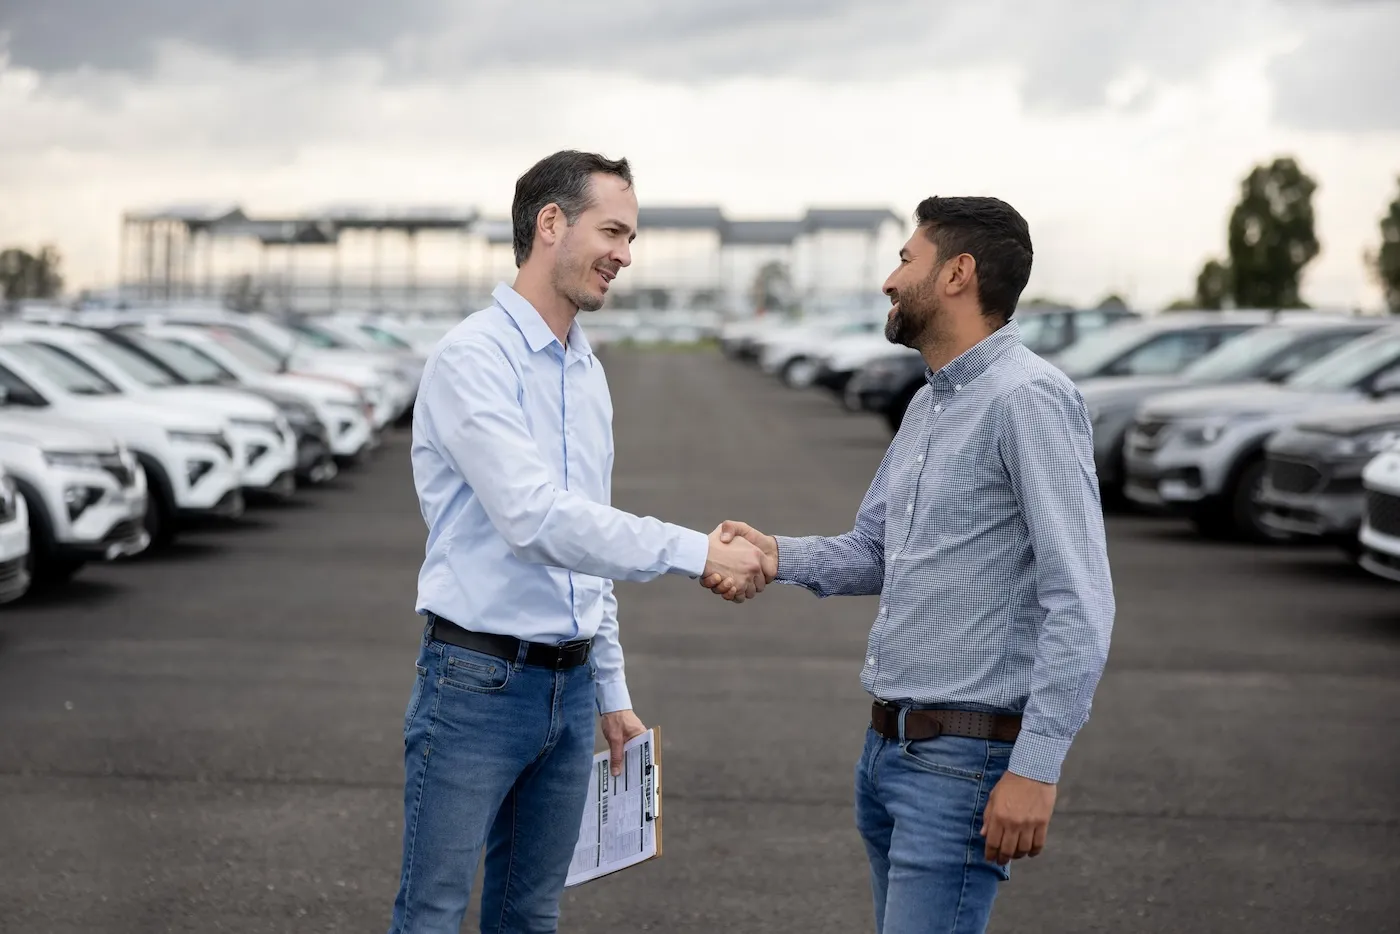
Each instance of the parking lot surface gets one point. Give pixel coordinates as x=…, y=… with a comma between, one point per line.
x=210, y=740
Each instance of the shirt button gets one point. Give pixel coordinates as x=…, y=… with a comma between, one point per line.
x=938, y=408
x=957, y=388
x=921, y=458
x=870, y=659
x=909, y=510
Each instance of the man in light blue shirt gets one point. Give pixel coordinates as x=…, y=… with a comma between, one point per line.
x=512, y=459
x=982, y=532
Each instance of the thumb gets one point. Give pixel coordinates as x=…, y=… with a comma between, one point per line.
x=729, y=528
x=615, y=743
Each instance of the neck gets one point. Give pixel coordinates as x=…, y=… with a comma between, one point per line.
x=558, y=312
x=957, y=339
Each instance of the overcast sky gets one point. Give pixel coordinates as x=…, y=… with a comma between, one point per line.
x=1120, y=129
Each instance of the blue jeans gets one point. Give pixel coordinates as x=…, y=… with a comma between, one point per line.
x=497, y=756
x=919, y=808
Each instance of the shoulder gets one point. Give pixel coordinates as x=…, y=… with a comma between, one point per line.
x=1030, y=389
x=485, y=341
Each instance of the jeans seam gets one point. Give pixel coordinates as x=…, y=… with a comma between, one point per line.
x=972, y=832
x=418, y=814
x=510, y=868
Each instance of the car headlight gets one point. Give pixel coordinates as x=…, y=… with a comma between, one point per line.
x=297, y=414
x=1201, y=434
x=1372, y=442
x=256, y=424
x=73, y=460
x=196, y=437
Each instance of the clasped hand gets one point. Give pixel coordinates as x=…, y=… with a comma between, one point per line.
x=741, y=562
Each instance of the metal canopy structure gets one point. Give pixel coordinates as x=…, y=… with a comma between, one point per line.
x=159, y=246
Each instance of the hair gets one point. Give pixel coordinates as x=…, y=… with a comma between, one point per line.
x=994, y=234
x=563, y=179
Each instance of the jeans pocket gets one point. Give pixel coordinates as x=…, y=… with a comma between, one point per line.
x=943, y=756
x=474, y=671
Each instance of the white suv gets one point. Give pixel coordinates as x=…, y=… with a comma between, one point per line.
x=186, y=454
x=264, y=446
x=83, y=492
x=14, y=541
x=344, y=412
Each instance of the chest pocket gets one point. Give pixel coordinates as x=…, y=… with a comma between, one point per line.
x=965, y=490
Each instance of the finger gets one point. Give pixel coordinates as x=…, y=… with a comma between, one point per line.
x=993, y=832
x=615, y=754
x=1038, y=839
x=1024, y=839
x=729, y=529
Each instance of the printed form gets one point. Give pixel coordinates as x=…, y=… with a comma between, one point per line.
x=621, y=824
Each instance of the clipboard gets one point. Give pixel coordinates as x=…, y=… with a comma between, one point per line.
x=621, y=823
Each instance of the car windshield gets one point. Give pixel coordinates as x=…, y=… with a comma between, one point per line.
x=134, y=365
x=1088, y=356
x=385, y=338
x=1036, y=329
x=67, y=372
x=318, y=338
x=247, y=351
x=192, y=364
x=1347, y=366
x=1244, y=356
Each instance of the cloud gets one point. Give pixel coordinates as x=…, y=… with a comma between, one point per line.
x=1069, y=54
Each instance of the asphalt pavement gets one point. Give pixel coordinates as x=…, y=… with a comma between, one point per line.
x=210, y=740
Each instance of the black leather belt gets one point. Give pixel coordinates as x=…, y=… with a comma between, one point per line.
x=930, y=724
x=537, y=654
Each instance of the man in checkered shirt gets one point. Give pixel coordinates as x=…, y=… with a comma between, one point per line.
x=983, y=533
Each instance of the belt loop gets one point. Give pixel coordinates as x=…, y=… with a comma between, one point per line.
x=903, y=712
x=521, y=651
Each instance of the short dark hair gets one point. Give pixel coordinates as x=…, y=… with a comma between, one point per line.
x=994, y=234
x=561, y=179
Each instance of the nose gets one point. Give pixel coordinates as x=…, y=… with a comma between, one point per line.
x=622, y=255
x=887, y=288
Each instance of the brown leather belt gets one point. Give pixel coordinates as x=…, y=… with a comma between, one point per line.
x=930, y=724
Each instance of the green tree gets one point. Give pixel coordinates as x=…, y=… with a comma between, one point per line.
x=1385, y=262
x=1214, y=285
x=1271, y=236
x=1112, y=301
x=28, y=275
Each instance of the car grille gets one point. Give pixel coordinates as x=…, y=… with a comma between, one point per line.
x=1383, y=512
x=112, y=463
x=1293, y=476
x=11, y=572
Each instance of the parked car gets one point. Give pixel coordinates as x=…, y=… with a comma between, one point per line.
x=1380, y=522
x=189, y=367
x=792, y=354
x=1312, y=471
x=264, y=447
x=1200, y=452
x=1270, y=353
x=84, y=493
x=340, y=406
x=186, y=453
x=1160, y=346
x=14, y=541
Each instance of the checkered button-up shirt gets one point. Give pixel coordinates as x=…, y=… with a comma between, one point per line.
x=983, y=532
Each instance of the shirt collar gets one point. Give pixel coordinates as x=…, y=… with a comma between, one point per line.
x=532, y=325
x=973, y=362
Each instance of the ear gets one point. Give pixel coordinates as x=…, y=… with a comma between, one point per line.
x=550, y=224
x=961, y=274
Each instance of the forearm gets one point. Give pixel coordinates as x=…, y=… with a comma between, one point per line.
x=843, y=565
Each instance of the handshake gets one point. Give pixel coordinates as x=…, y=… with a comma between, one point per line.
x=741, y=561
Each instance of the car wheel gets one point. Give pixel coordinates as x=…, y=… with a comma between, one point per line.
x=800, y=372
x=159, y=520
x=47, y=569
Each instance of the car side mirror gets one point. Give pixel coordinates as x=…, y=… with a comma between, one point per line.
x=1387, y=383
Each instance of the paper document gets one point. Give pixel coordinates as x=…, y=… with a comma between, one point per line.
x=622, y=820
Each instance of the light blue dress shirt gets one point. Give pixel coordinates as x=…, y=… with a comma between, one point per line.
x=983, y=533
x=512, y=459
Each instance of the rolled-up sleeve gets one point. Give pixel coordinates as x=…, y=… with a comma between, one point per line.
x=471, y=397
x=1046, y=443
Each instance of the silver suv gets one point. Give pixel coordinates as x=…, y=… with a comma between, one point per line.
x=1200, y=452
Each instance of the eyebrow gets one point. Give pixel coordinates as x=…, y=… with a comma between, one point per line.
x=632, y=234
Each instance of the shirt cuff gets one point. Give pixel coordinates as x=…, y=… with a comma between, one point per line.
x=692, y=552
x=613, y=696
x=1038, y=757
x=794, y=561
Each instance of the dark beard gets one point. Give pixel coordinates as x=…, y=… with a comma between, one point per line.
x=904, y=329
